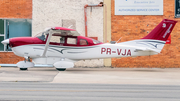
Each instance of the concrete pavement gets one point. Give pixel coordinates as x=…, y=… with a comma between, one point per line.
x=153, y=76
x=119, y=76
x=11, y=74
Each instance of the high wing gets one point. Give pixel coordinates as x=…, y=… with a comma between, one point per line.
x=61, y=31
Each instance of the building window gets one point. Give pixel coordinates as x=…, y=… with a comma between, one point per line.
x=2, y=34
x=10, y=28
x=177, y=8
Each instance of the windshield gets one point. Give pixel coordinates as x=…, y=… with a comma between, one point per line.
x=41, y=36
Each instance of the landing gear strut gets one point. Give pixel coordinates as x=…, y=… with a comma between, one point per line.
x=27, y=59
x=61, y=69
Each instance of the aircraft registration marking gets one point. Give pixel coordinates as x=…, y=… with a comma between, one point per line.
x=109, y=51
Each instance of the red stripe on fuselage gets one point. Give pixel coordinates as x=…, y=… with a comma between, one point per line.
x=19, y=41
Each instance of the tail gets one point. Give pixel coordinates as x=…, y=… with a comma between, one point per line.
x=156, y=39
x=162, y=31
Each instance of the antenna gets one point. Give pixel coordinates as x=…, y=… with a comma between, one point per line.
x=70, y=26
x=118, y=40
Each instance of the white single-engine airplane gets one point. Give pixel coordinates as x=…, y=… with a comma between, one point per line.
x=60, y=47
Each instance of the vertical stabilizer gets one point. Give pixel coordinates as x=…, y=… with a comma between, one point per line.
x=162, y=31
x=156, y=39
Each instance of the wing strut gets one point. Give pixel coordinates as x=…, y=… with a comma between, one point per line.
x=47, y=43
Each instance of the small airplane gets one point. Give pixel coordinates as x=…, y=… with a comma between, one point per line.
x=60, y=47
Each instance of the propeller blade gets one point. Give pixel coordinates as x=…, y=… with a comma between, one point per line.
x=7, y=47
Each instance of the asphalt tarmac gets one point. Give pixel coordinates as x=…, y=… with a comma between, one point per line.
x=90, y=84
x=87, y=92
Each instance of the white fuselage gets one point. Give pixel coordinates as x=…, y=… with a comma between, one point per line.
x=56, y=53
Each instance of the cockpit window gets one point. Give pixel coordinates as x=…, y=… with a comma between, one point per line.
x=83, y=42
x=96, y=42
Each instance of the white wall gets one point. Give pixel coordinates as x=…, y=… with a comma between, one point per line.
x=49, y=13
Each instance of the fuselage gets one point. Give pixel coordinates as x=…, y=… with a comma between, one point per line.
x=34, y=47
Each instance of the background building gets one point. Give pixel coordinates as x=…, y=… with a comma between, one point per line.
x=131, y=27
x=15, y=21
x=29, y=17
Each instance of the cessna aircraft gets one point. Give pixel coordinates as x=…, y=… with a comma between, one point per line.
x=60, y=47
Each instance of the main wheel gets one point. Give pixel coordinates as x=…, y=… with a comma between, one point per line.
x=61, y=69
x=23, y=68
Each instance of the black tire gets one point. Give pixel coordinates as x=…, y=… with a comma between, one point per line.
x=61, y=69
x=23, y=68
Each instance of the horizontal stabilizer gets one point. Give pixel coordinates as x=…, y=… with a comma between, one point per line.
x=146, y=50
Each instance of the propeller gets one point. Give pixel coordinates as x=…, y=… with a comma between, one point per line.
x=7, y=45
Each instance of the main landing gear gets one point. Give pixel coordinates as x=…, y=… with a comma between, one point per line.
x=24, y=65
x=61, y=69
x=23, y=69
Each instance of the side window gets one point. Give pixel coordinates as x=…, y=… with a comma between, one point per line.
x=55, y=39
x=83, y=42
x=72, y=41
